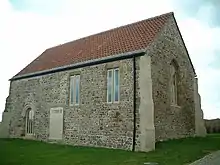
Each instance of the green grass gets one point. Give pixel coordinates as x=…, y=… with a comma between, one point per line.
x=173, y=152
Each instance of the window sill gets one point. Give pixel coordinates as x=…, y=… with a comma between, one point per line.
x=176, y=106
x=74, y=105
x=113, y=102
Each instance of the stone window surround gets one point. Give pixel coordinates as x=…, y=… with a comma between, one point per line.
x=113, y=68
x=176, y=67
x=72, y=74
x=29, y=122
x=24, y=113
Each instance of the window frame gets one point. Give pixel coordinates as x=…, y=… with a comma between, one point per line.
x=174, y=73
x=77, y=92
x=116, y=69
x=175, y=89
x=113, y=84
x=29, y=122
x=108, y=73
x=73, y=90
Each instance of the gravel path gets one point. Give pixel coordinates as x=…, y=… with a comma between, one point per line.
x=211, y=159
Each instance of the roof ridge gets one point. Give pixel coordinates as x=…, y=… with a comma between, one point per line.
x=155, y=17
x=112, y=29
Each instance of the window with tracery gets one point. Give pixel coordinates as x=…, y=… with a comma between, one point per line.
x=29, y=122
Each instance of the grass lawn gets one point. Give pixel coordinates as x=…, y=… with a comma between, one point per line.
x=173, y=152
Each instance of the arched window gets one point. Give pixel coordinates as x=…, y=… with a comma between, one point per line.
x=174, y=82
x=29, y=122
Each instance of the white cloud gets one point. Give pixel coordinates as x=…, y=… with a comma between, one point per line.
x=24, y=35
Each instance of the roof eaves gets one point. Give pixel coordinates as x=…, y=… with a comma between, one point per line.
x=116, y=57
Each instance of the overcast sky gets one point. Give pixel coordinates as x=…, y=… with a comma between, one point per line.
x=28, y=27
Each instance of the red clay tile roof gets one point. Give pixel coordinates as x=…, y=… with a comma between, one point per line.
x=123, y=39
